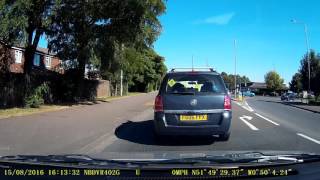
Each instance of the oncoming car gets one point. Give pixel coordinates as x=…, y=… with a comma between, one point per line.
x=193, y=103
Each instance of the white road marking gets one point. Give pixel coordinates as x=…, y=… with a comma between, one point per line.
x=267, y=119
x=245, y=106
x=309, y=138
x=247, y=123
x=247, y=117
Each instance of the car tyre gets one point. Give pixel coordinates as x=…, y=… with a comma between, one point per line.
x=158, y=137
x=224, y=137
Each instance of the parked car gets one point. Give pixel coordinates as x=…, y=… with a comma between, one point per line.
x=311, y=95
x=273, y=94
x=289, y=96
x=248, y=93
x=192, y=103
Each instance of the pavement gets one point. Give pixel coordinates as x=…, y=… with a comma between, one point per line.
x=124, y=127
x=304, y=106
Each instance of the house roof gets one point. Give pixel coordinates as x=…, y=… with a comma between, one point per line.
x=261, y=85
x=258, y=85
x=45, y=51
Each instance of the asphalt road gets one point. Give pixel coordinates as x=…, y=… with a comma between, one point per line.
x=123, y=127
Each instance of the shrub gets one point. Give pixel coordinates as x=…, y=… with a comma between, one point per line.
x=315, y=101
x=37, y=96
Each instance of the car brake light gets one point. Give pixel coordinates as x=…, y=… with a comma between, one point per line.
x=158, y=105
x=227, y=102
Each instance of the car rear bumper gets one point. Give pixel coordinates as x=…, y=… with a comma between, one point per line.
x=162, y=128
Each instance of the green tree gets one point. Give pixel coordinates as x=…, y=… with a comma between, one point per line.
x=23, y=22
x=144, y=70
x=314, y=72
x=229, y=80
x=106, y=27
x=273, y=80
x=296, y=84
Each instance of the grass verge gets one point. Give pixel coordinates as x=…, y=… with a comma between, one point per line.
x=12, y=112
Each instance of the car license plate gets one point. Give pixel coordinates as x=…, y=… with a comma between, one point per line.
x=203, y=117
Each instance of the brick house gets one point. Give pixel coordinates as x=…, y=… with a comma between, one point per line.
x=43, y=59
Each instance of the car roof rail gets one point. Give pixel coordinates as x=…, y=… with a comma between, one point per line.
x=194, y=69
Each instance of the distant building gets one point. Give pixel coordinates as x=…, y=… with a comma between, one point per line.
x=261, y=88
x=43, y=59
x=257, y=86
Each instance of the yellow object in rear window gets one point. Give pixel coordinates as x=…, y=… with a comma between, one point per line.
x=171, y=82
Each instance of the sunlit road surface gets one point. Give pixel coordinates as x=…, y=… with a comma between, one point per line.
x=125, y=126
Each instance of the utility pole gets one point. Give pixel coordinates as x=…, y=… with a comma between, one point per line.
x=308, y=47
x=308, y=53
x=192, y=62
x=121, y=82
x=121, y=72
x=235, y=68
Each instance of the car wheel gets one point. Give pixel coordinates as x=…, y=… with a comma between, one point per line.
x=158, y=137
x=224, y=137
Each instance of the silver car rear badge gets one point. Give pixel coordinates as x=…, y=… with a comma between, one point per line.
x=193, y=102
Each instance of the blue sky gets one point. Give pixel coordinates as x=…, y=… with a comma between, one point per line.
x=266, y=39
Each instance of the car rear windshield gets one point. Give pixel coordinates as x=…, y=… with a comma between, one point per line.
x=194, y=84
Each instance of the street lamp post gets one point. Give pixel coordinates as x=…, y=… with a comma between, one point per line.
x=235, y=69
x=307, y=45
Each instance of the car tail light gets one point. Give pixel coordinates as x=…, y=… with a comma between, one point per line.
x=158, y=104
x=227, y=102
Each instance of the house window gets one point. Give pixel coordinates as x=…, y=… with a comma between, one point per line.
x=48, y=61
x=18, y=56
x=36, y=60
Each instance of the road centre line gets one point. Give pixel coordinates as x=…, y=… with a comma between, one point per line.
x=248, y=124
x=309, y=138
x=267, y=119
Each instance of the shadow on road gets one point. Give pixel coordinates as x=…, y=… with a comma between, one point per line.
x=142, y=133
x=278, y=102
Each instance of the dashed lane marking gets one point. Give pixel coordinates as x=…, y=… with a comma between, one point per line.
x=309, y=138
x=267, y=119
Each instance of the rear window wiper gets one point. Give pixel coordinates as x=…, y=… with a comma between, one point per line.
x=183, y=93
